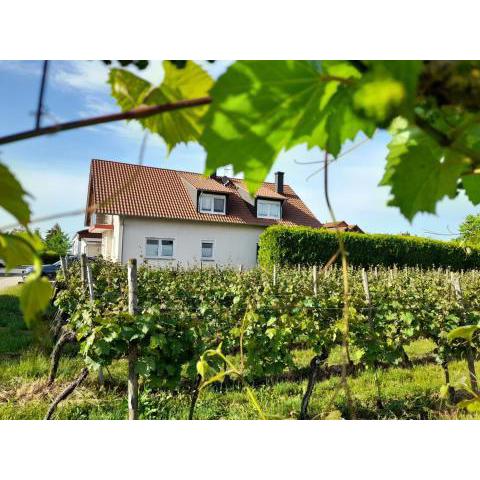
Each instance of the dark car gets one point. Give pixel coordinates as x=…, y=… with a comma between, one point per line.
x=49, y=271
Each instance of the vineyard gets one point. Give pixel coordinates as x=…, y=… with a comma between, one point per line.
x=191, y=334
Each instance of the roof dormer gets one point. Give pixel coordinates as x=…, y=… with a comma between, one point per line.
x=213, y=203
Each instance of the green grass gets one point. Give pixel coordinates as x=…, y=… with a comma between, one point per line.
x=406, y=393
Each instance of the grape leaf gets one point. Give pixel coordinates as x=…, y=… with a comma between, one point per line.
x=12, y=196
x=471, y=184
x=465, y=332
x=176, y=126
x=420, y=172
x=260, y=108
x=388, y=89
x=34, y=297
x=18, y=249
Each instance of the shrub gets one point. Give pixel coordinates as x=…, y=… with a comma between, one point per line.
x=309, y=246
x=49, y=257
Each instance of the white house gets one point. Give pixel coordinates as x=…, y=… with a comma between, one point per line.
x=87, y=242
x=164, y=217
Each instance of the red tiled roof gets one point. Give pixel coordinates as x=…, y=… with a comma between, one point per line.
x=267, y=190
x=86, y=234
x=342, y=226
x=140, y=191
x=206, y=184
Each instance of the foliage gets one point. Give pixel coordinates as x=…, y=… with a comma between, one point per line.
x=470, y=230
x=260, y=108
x=56, y=240
x=307, y=246
x=177, y=126
x=185, y=313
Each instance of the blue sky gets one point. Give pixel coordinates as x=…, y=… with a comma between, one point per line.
x=54, y=169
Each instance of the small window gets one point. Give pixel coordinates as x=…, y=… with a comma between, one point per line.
x=207, y=250
x=212, y=203
x=158, y=248
x=268, y=209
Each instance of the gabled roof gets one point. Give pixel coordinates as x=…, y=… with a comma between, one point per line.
x=85, y=233
x=342, y=226
x=140, y=191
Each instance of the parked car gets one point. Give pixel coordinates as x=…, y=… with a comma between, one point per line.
x=50, y=271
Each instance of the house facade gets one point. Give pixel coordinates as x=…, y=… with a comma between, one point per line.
x=165, y=217
x=88, y=243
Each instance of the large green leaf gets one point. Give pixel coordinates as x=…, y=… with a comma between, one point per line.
x=420, y=172
x=388, y=89
x=176, y=126
x=260, y=108
x=35, y=297
x=465, y=333
x=471, y=184
x=12, y=196
x=19, y=248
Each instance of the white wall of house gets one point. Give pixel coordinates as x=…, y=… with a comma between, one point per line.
x=107, y=245
x=92, y=247
x=233, y=244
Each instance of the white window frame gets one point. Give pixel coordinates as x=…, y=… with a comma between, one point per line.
x=207, y=259
x=213, y=197
x=163, y=257
x=269, y=202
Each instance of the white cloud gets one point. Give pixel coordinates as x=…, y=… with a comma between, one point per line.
x=81, y=75
x=24, y=67
x=52, y=191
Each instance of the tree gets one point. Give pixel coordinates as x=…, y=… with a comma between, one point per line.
x=56, y=240
x=470, y=230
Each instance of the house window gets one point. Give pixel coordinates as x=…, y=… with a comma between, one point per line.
x=159, y=248
x=207, y=250
x=268, y=209
x=212, y=203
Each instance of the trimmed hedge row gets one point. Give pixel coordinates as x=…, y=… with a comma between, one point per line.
x=309, y=246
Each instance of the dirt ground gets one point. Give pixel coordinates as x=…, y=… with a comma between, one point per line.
x=6, y=282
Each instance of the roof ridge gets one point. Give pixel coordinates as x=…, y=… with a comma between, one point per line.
x=174, y=170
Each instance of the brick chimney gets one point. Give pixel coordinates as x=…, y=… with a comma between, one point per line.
x=279, y=182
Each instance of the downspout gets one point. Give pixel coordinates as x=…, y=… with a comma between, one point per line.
x=122, y=222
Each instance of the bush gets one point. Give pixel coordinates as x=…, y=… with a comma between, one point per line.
x=308, y=246
x=49, y=257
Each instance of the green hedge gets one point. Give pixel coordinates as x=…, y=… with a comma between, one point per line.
x=309, y=246
x=49, y=257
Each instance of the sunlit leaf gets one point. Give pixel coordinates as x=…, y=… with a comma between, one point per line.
x=388, y=89
x=176, y=126
x=18, y=248
x=260, y=108
x=420, y=172
x=12, y=196
x=465, y=333
x=35, y=297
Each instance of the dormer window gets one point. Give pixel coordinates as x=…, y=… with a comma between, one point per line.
x=268, y=209
x=210, y=203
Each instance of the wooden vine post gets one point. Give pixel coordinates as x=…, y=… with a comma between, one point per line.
x=63, y=261
x=91, y=295
x=83, y=269
x=469, y=353
x=133, y=347
x=274, y=274
x=89, y=281
x=315, y=280
x=368, y=298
